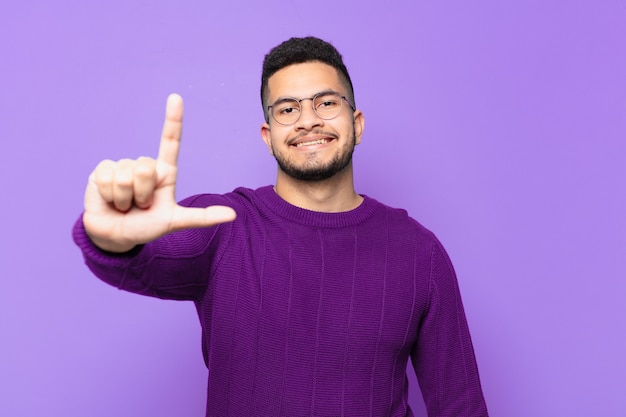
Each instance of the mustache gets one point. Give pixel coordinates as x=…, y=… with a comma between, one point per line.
x=313, y=132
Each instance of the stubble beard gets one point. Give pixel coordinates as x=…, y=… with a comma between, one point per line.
x=313, y=170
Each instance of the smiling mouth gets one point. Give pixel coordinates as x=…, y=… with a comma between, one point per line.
x=311, y=143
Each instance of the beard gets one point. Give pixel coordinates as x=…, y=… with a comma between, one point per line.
x=313, y=169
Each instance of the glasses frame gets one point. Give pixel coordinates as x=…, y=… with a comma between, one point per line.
x=299, y=101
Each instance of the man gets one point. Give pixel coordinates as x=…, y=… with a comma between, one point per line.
x=312, y=298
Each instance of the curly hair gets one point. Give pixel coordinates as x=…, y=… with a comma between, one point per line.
x=301, y=50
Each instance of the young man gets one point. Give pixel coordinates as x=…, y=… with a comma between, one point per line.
x=312, y=298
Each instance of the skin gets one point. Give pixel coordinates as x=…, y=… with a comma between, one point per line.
x=131, y=202
x=334, y=194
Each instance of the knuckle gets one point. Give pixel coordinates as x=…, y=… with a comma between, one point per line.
x=105, y=163
x=104, y=173
x=144, y=169
x=123, y=179
x=124, y=173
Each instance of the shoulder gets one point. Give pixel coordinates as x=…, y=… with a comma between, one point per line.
x=398, y=219
x=408, y=231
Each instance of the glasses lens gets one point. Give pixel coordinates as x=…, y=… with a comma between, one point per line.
x=286, y=111
x=328, y=105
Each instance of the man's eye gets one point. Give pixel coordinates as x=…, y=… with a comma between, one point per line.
x=327, y=103
x=288, y=110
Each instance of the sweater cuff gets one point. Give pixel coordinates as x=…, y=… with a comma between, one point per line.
x=93, y=252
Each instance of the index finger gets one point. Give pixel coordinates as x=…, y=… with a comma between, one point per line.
x=172, y=130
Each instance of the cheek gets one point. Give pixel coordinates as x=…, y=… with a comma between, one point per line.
x=274, y=141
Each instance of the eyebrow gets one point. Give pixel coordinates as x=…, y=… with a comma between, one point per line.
x=287, y=98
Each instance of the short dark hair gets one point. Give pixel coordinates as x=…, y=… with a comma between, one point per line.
x=298, y=51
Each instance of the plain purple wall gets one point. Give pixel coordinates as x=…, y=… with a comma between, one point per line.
x=499, y=125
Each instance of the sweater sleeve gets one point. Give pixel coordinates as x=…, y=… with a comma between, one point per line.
x=443, y=356
x=176, y=266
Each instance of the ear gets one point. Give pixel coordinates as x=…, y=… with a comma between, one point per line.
x=265, y=135
x=359, y=125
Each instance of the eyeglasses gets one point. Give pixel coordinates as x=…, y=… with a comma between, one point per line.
x=327, y=105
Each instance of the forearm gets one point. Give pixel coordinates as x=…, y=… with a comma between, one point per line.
x=163, y=268
x=443, y=357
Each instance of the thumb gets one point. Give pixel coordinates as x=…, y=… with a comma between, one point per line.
x=190, y=217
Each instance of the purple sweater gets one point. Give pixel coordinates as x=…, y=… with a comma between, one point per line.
x=309, y=313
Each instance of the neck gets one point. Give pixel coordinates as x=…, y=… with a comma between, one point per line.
x=333, y=195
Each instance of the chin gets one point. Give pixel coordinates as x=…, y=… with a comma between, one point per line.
x=314, y=170
x=315, y=174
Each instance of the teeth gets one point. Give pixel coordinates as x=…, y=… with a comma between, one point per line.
x=315, y=142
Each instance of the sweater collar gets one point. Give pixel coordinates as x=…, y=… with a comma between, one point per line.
x=276, y=204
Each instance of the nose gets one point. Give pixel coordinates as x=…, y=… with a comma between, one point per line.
x=308, y=118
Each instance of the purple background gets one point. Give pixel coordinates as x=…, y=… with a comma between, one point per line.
x=499, y=125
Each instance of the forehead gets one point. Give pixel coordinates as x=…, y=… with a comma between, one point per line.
x=303, y=80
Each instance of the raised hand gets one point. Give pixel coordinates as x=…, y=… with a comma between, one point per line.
x=131, y=202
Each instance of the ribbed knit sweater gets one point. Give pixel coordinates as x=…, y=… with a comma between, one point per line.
x=312, y=314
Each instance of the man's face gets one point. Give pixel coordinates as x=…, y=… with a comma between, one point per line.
x=311, y=149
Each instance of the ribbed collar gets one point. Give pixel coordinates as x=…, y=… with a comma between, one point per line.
x=272, y=201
